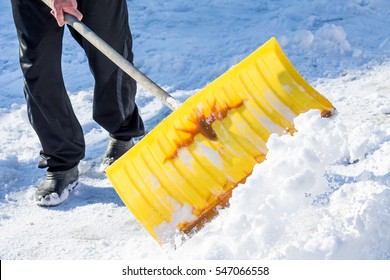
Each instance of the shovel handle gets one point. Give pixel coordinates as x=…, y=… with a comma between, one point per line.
x=120, y=61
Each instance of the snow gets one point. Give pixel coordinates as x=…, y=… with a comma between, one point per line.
x=322, y=194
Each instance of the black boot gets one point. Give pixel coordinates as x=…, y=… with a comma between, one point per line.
x=57, y=186
x=116, y=148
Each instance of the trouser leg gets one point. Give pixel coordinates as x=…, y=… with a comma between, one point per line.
x=49, y=108
x=114, y=105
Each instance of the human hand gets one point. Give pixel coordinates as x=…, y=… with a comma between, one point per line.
x=64, y=6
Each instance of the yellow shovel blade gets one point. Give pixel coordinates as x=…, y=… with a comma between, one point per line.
x=177, y=176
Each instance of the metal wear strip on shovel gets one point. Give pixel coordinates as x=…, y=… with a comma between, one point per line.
x=178, y=176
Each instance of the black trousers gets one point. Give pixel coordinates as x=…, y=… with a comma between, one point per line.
x=49, y=108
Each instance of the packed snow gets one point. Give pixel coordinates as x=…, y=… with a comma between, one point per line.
x=323, y=193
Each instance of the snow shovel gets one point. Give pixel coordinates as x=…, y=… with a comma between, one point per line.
x=183, y=171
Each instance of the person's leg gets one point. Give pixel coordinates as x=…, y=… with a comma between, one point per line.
x=49, y=108
x=114, y=97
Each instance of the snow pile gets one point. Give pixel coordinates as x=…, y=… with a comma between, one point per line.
x=330, y=39
x=289, y=209
x=263, y=211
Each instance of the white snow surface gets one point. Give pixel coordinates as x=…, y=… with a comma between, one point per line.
x=322, y=194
